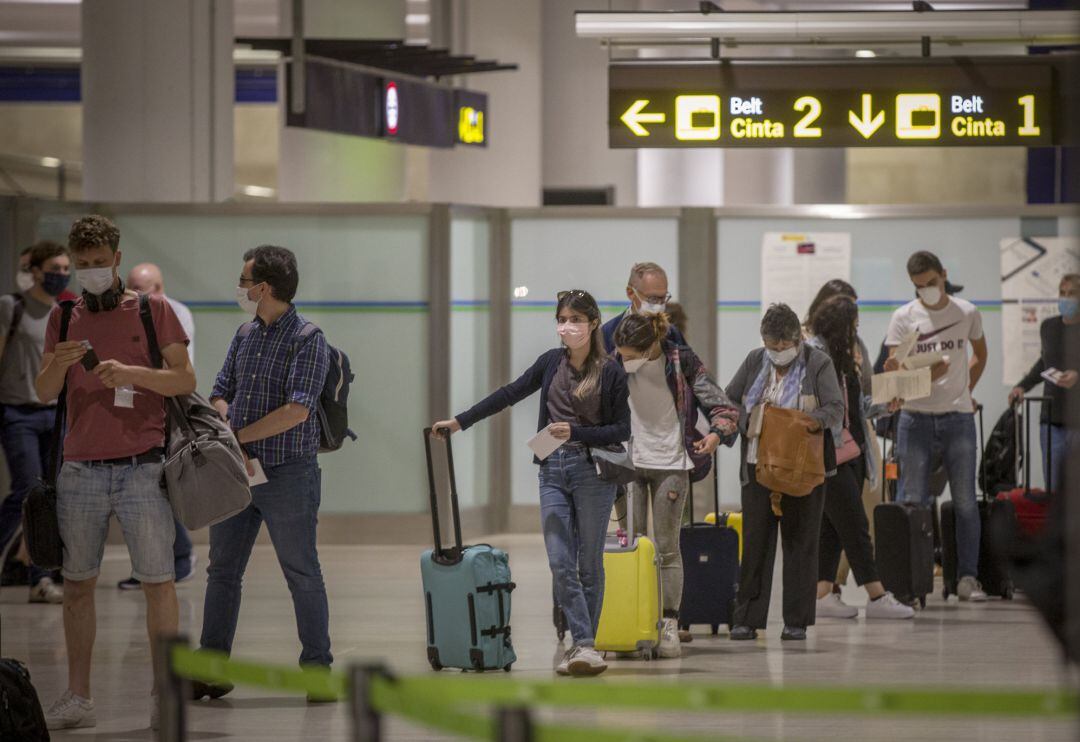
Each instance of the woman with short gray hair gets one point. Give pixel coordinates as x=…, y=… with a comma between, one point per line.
x=785, y=373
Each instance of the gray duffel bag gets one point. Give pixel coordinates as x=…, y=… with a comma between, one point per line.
x=205, y=476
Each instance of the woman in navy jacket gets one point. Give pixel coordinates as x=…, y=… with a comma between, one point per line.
x=583, y=402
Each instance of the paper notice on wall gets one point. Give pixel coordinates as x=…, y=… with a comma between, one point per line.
x=795, y=266
x=1031, y=272
x=905, y=385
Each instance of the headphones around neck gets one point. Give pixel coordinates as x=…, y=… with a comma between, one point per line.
x=106, y=302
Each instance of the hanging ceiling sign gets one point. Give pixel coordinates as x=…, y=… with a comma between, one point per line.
x=343, y=99
x=864, y=103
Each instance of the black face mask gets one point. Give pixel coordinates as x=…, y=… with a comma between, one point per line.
x=54, y=283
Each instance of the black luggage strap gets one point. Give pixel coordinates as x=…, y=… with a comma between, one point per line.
x=496, y=631
x=57, y=439
x=493, y=586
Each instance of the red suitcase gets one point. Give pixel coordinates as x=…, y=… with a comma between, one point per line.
x=1031, y=504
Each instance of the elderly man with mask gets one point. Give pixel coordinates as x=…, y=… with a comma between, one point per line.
x=647, y=290
x=146, y=278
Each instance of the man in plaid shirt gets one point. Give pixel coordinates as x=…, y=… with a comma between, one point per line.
x=268, y=389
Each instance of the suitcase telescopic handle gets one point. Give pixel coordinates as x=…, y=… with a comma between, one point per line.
x=452, y=554
x=1049, y=403
x=716, y=486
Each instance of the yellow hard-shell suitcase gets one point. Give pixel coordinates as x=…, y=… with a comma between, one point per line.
x=630, y=618
x=731, y=520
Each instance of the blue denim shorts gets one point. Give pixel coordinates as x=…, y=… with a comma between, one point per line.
x=87, y=494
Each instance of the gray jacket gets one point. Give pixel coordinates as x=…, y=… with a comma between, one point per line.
x=821, y=396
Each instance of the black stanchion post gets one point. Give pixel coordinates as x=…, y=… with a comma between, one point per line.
x=367, y=721
x=513, y=724
x=172, y=696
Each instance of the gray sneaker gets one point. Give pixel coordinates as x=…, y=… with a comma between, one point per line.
x=586, y=661
x=970, y=590
x=563, y=668
x=670, y=646
x=71, y=712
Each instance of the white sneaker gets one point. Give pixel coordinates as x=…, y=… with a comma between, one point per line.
x=71, y=712
x=969, y=589
x=832, y=607
x=670, y=646
x=888, y=606
x=563, y=668
x=47, y=591
x=586, y=661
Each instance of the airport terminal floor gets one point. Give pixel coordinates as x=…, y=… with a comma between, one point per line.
x=376, y=613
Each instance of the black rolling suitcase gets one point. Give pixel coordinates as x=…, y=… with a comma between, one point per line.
x=904, y=548
x=993, y=570
x=710, y=555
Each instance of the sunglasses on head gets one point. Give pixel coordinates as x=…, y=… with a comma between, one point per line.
x=572, y=292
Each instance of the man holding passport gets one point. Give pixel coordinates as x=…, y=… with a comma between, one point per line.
x=113, y=450
x=944, y=421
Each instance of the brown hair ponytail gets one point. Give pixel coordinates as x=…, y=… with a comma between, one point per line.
x=641, y=331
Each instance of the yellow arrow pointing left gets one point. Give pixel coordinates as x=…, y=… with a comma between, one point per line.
x=634, y=118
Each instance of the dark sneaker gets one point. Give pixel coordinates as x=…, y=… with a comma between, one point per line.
x=793, y=634
x=185, y=568
x=129, y=584
x=213, y=691
x=743, y=633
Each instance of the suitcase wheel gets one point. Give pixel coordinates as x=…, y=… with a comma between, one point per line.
x=1009, y=592
x=433, y=659
x=944, y=593
x=561, y=634
x=684, y=627
x=922, y=602
x=507, y=668
x=715, y=629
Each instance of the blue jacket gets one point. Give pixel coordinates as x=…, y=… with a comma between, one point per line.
x=614, y=401
x=608, y=329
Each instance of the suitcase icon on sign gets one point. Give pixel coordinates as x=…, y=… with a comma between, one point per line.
x=918, y=116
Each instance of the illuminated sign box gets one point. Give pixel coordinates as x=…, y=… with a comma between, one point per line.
x=864, y=103
x=343, y=99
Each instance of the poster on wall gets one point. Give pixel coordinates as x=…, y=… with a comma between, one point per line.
x=1031, y=271
x=794, y=266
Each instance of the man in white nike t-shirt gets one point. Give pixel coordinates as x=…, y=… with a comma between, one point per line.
x=945, y=420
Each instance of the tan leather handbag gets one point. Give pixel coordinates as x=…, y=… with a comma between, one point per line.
x=790, y=460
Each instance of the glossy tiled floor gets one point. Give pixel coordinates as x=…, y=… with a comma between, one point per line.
x=376, y=612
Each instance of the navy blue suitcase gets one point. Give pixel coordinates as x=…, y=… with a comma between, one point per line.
x=710, y=555
x=466, y=588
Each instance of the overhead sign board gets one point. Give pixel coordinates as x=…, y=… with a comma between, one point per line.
x=343, y=99
x=863, y=103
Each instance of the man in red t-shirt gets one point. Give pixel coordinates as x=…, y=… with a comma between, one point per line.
x=113, y=450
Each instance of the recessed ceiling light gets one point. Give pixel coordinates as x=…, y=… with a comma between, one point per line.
x=865, y=54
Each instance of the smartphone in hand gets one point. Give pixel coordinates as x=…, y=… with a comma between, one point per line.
x=90, y=360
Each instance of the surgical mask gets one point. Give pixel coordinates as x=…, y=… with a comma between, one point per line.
x=54, y=283
x=930, y=295
x=1068, y=307
x=96, y=280
x=246, y=303
x=634, y=365
x=782, y=358
x=574, y=334
x=24, y=280
x=648, y=307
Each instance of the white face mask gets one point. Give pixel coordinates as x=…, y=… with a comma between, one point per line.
x=24, y=280
x=782, y=358
x=96, y=281
x=634, y=365
x=247, y=304
x=574, y=334
x=930, y=295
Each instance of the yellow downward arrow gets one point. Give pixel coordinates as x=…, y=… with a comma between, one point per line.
x=866, y=125
x=634, y=118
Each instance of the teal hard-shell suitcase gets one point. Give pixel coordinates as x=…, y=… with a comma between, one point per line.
x=466, y=588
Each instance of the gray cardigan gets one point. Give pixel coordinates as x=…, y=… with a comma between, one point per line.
x=822, y=397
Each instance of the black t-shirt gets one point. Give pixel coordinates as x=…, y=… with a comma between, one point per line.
x=1056, y=337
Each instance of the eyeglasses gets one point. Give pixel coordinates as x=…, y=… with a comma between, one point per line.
x=244, y=280
x=653, y=299
x=572, y=292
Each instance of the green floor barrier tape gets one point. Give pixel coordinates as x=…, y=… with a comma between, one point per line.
x=450, y=690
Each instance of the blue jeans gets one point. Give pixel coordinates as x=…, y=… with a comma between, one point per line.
x=952, y=435
x=26, y=434
x=575, y=506
x=1062, y=443
x=289, y=503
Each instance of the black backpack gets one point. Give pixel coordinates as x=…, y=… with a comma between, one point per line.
x=21, y=717
x=997, y=470
x=333, y=409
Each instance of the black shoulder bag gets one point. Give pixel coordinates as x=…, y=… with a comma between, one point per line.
x=41, y=526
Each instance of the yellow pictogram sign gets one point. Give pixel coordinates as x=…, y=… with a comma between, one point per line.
x=918, y=116
x=635, y=117
x=867, y=123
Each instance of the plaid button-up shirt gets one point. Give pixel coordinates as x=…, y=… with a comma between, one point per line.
x=258, y=377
